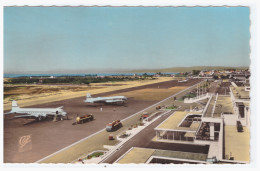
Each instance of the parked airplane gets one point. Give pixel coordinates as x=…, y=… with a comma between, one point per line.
x=36, y=113
x=112, y=99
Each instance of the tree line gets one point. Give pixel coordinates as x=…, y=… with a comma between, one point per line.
x=72, y=80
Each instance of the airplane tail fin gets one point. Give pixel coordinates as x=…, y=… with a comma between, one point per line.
x=14, y=103
x=88, y=95
x=15, y=106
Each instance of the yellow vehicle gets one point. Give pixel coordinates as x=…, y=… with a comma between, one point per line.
x=83, y=119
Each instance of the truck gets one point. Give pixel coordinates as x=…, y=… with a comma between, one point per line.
x=115, y=125
x=83, y=119
x=143, y=116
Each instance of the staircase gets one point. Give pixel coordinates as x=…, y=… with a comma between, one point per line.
x=198, y=98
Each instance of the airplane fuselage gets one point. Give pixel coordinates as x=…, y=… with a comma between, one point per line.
x=113, y=99
x=39, y=111
x=36, y=113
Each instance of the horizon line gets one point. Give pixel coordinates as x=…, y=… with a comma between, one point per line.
x=114, y=71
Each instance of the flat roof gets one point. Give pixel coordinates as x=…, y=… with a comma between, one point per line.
x=224, y=104
x=246, y=103
x=240, y=93
x=237, y=144
x=195, y=125
x=180, y=155
x=137, y=156
x=141, y=155
x=172, y=122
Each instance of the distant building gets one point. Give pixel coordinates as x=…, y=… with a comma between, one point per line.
x=40, y=81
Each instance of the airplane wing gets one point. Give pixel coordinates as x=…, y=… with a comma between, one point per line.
x=32, y=116
x=60, y=107
x=96, y=100
x=24, y=116
x=113, y=101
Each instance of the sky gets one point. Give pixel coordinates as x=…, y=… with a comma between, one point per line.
x=104, y=39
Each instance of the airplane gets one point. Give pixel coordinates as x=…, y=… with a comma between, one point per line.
x=36, y=113
x=182, y=81
x=112, y=99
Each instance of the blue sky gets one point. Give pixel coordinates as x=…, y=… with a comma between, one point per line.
x=101, y=39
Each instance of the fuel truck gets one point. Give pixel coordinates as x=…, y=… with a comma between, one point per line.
x=113, y=126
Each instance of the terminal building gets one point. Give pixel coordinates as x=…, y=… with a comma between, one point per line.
x=223, y=125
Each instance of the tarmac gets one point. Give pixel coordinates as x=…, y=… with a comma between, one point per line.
x=28, y=141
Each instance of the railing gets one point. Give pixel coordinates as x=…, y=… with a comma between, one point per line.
x=194, y=99
x=207, y=105
x=214, y=107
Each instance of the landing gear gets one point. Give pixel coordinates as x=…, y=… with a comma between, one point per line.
x=40, y=118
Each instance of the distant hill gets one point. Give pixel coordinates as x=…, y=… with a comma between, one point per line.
x=173, y=69
x=189, y=69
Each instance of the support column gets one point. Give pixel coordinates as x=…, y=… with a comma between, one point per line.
x=212, y=130
x=199, y=89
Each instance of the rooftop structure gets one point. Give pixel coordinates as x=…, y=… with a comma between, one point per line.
x=145, y=155
x=219, y=105
x=173, y=122
x=240, y=93
x=137, y=156
x=222, y=125
x=180, y=126
x=224, y=105
x=240, y=98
